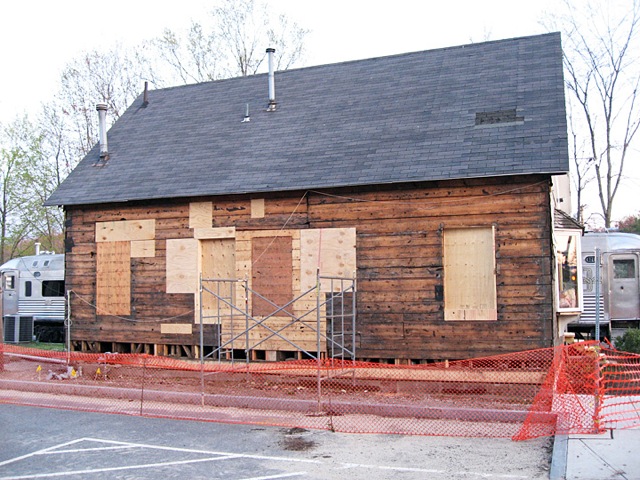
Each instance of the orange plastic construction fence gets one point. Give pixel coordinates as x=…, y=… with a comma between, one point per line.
x=579, y=388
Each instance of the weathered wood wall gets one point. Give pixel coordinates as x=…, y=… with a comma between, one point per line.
x=400, y=266
x=399, y=257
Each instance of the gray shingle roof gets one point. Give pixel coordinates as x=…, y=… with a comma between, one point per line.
x=403, y=118
x=564, y=220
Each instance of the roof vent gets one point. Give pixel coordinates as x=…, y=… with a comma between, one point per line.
x=102, y=124
x=247, y=117
x=272, y=82
x=145, y=96
x=498, y=116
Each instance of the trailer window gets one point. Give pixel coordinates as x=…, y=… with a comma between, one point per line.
x=9, y=282
x=624, y=268
x=53, y=288
x=567, y=270
x=27, y=289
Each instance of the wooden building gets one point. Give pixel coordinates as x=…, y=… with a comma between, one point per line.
x=425, y=177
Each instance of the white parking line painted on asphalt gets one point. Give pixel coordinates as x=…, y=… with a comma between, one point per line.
x=39, y=452
x=203, y=452
x=94, y=445
x=382, y=467
x=425, y=470
x=283, y=475
x=116, y=445
x=115, y=469
x=97, y=449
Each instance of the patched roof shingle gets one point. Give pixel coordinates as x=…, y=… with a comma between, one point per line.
x=487, y=109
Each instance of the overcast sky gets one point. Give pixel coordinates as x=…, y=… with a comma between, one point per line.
x=39, y=37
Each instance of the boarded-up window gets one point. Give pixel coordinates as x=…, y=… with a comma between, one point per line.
x=218, y=262
x=272, y=273
x=182, y=265
x=469, y=274
x=113, y=279
x=330, y=250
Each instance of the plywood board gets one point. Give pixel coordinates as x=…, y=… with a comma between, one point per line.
x=176, y=328
x=217, y=262
x=331, y=250
x=211, y=232
x=217, y=258
x=182, y=265
x=469, y=274
x=113, y=278
x=257, y=208
x=262, y=338
x=200, y=214
x=125, y=230
x=143, y=248
x=271, y=273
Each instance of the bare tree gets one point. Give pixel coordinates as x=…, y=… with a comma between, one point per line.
x=602, y=76
x=581, y=168
x=35, y=158
x=232, y=42
x=56, y=144
x=242, y=25
x=288, y=40
x=115, y=77
x=194, y=58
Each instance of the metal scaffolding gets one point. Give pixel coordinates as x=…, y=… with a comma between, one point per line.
x=332, y=320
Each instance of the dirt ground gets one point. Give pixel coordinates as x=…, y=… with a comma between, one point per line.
x=283, y=397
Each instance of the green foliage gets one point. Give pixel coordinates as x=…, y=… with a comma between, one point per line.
x=27, y=178
x=630, y=341
x=630, y=224
x=56, y=347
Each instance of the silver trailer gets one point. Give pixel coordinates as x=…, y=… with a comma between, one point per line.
x=619, y=283
x=33, y=298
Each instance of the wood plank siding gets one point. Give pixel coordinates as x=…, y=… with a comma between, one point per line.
x=399, y=232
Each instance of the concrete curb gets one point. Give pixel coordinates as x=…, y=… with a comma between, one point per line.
x=559, y=458
x=266, y=403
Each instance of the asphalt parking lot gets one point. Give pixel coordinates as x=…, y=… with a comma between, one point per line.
x=48, y=443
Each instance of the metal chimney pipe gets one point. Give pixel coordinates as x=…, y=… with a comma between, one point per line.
x=272, y=81
x=102, y=123
x=37, y=245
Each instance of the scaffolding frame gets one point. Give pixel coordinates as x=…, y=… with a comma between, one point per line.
x=333, y=311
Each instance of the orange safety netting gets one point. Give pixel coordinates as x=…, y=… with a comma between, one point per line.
x=580, y=388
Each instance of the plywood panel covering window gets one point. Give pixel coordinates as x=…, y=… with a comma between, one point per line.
x=182, y=265
x=331, y=250
x=469, y=274
x=272, y=273
x=113, y=279
x=218, y=261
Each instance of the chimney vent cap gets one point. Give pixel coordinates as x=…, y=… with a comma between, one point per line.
x=272, y=81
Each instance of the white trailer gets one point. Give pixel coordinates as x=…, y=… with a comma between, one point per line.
x=619, y=283
x=33, y=298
